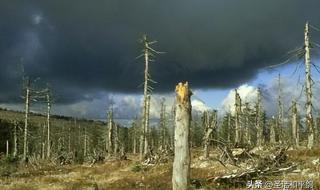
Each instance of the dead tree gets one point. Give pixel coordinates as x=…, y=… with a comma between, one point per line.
x=148, y=51
x=172, y=117
x=144, y=140
x=48, y=124
x=110, y=132
x=85, y=142
x=27, y=97
x=272, y=132
x=134, y=136
x=280, y=112
x=246, y=114
x=15, y=139
x=116, y=139
x=69, y=139
x=308, y=90
x=7, y=148
x=141, y=141
x=43, y=141
x=181, y=163
x=79, y=137
x=259, y=125
x=163, y=128
x=210, y=124
x=295, y=124
x=26, y=119
x=146, y=126
x=237, y=118
x=229, y=128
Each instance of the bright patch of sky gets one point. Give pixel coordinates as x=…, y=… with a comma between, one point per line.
x=293, y=72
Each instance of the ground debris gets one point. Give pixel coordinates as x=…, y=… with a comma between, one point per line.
x=272, y=164
x=160, y=157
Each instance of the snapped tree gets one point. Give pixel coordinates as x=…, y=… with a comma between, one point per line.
x=181, y=163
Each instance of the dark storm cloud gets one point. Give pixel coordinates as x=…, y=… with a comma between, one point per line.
x=82, y=47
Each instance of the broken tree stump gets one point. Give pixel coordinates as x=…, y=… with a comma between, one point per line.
x=181, y=163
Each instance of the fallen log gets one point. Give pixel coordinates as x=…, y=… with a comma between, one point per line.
x=241, y=178
x=267, y=166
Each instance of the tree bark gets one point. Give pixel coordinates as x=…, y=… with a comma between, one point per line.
x=48, y=126
x=229, y=128
x=134, y=125
x=15, y=139
x=309, y=117
x=26, y=119
x=141, y=141
x=116, y=140
x=295, y=124
x=43, y=141
x=247, y=125
x=85, y=143
x=181, y=164
x=280, y=113
x=7, y=148
x=69, y=139
x=259, y=125
x=210, y=122
x=272, y=131
x=110, y=132
x=163, y=135
x=147, y=135
x=237, y=118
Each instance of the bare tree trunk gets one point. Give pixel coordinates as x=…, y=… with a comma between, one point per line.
x=147, y=135
x=43, y=141
x=122, y=153
x=142, y=136
x=85, y=142
x=181, y=163
x=280, y=113
x=210, y=123
x=15, y=139
x=144, y=147
x=162, y=144
x=63, y=136
x=295, y=125
x=79, y=137
x=173, y=116
x=116, y=140
x=43, y=150
x=48, y=126
x=237, y=117
x=69, y=139
x=26, y=119
x=259, y=125
x=246, y=113
x=134, y=145
x=134, y=125
x=272, y=131
x=145, y=100
x=309, y=117
x=7, y=148
x=110, y=132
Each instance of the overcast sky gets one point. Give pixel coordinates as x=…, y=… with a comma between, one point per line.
x=86, y=50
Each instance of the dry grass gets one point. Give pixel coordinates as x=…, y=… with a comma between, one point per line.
x=130, y=175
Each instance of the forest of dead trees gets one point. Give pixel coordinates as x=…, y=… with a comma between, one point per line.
x=29, y=137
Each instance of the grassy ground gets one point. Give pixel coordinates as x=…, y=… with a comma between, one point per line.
x=130, y=175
